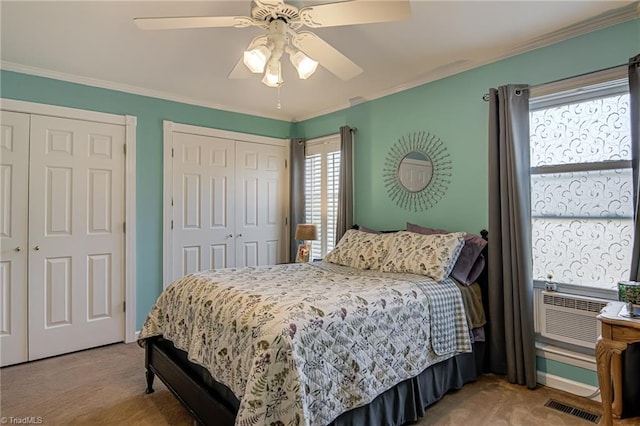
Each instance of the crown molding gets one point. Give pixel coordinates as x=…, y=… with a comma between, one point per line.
x=607, y=19
x=604, y=20
x=135, y=90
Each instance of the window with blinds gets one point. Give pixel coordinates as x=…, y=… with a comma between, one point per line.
x=322, y=180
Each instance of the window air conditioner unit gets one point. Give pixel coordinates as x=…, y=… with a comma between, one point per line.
x=568, y=318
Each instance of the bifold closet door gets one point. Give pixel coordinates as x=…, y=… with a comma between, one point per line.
x=14, y=175
x=203, y=193
x=227, y=203
x=260, y=211
x=76, y=236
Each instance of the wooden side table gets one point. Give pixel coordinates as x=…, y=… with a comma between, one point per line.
x=617, y=333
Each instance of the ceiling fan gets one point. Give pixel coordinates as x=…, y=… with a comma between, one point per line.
x=281, y=21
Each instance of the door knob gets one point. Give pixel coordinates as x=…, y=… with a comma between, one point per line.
x=239, y=235
x=230, y=235
x=18, y=248
x=37, y=248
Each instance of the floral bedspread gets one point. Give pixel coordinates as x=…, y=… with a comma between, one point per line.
x=299, y=344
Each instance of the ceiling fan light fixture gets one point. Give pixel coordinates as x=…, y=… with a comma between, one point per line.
x=273, y=74
x=256, y=58
x=303, y=64
x=281, y=21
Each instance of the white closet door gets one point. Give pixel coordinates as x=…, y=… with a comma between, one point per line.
x=76, y=236
x=203, y=187
x=260, y=177
x=14, y=167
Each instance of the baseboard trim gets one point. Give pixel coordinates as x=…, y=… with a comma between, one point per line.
x=566, y=356
x=566, y=385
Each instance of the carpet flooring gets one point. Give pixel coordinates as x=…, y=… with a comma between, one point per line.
x=105, y=386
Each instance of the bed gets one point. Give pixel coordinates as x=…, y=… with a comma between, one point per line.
x=312, y=344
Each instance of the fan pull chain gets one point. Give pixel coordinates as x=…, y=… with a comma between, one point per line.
x=279, y=105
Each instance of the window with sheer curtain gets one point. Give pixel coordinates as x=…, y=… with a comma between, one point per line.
x=322, y=179
x=581, y=187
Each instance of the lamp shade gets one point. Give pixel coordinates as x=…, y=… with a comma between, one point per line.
x=628, y=291
x=306, y=231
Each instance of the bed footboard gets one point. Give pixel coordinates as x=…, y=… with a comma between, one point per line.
x=198, y=399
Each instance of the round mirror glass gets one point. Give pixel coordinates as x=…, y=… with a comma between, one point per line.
x=415, y=171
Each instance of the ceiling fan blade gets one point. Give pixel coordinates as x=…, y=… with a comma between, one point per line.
x=240, y=70
x=355, y=12
x=192, y=22
x=325, y=54
x=267, y=3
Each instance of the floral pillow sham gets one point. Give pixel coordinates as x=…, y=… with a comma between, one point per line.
x=361, y=250
x=470, y=263
x=430, y=255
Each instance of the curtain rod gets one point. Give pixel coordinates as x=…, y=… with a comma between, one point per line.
x=353, y=130
x=485, y=97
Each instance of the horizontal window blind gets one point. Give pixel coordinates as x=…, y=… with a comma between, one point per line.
x=322, y=180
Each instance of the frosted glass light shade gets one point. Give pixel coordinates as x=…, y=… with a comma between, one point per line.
x=273, y=75
x=304, y=64
x=256, y=59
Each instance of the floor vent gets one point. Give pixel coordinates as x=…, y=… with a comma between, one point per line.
x=574, y=411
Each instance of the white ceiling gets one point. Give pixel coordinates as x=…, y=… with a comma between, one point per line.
x=96, y=42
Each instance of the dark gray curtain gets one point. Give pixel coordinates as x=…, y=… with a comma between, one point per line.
x=634, y=95
x=296, y=183
x=511, y=335
x=345, y=189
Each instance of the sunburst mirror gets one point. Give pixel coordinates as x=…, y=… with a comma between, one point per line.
x=417, y=171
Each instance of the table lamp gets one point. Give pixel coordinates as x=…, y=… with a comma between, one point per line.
x=305, y=232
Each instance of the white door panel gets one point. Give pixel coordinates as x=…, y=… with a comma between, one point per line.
x=228, y=208
x=203, y=184
x=76, y=240
x=259, y=206
x=14, y=158
x=218, y=255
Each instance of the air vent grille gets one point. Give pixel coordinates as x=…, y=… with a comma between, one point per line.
x=568, y=318
x=574, y=303
x=573, y=411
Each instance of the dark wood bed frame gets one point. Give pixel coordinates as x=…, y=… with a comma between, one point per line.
x=203, y=402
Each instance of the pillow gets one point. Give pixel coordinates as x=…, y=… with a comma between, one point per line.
x=470, y=263
x=431, y=255
x=369, y=230
x=359, y=249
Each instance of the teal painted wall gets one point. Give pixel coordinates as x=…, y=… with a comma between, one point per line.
x=150, y=113
x=577, y=374
x=452, y=108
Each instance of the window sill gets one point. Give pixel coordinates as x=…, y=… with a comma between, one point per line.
x=598, y=293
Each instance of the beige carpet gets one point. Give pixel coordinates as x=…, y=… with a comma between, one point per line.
x=105, y=386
